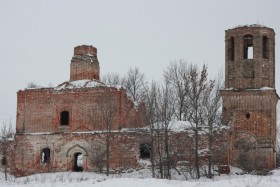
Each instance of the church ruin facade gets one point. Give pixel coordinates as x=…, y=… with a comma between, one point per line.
x=249, y=98
x=66, y=128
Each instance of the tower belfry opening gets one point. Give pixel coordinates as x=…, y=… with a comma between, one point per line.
x=248, y=47
x=231, y=49
x=265, y=47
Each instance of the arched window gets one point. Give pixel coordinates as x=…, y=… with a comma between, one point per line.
x=265, y=47
x=231, y=49
x=248, y=47
x=45, y=155
x=64, y=118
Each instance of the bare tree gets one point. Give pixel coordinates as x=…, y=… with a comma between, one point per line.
x=212, y=112
x=156, y=129
x=160, y=111
x=218, y=154
x=32, y=85
x=113, y=79
x=175, y=78
x=198, y=84
x=153, y=120
x=150, y=119
x=135, y=84
x=166, y=113
x=98, y=151
x=107, y=112
x=7, y=133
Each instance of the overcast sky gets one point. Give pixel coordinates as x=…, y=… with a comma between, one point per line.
x=37, y=37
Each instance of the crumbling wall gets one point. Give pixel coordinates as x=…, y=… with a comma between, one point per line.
x=251, y=113
x=27, y=153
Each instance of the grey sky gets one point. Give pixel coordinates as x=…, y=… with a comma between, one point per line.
x=37, y=37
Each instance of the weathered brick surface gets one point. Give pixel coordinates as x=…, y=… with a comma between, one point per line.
x=182, y=145
x=249, y=107
x=250, y=73
x=85, y=50
x=26, y=151
x=38, y=110
x=84, y=63
x=28, y=148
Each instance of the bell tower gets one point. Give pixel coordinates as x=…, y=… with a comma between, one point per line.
x=84, y=63
x=250, y=57
x=249, y=97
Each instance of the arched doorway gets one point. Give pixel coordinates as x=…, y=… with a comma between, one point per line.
x=77, y=158
x=78, y=162
x=244, y=151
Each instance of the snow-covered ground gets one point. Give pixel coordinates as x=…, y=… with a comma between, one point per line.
x=140, y=178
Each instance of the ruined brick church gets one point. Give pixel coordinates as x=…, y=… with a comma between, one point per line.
x=64, y=128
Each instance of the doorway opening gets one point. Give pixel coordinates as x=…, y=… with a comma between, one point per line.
x=78, y=162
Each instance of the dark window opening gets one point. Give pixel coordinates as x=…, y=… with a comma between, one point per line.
x=248, y=115
x=231, y=49
x=64, y=118
x=4, y=161
x=265, y=47
x=78, y=162
x=45, y=155
x=145, y=150
x=248, y=47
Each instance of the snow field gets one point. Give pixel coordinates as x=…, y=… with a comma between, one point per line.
x=140, y=178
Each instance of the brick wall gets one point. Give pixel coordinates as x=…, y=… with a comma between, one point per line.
x=25, y=152
x=28, y=152
x=39, y=110
x=251, y=112
x=84, y=63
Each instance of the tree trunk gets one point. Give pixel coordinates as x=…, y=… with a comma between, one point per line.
x=196, y=154
x=152, y=157
x=6, y=177
x=160, y=156
x=5, y=157
x=210, y=154
x=167, y=154
x=107, y=152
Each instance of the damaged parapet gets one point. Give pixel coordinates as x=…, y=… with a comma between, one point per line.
x=84, y=63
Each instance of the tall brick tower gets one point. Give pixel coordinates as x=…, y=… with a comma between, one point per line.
x=84, y=63
x=249, y=97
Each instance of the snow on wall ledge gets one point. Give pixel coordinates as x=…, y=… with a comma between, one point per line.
x=182, y=126
x=263, y=88
x=85, y=83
